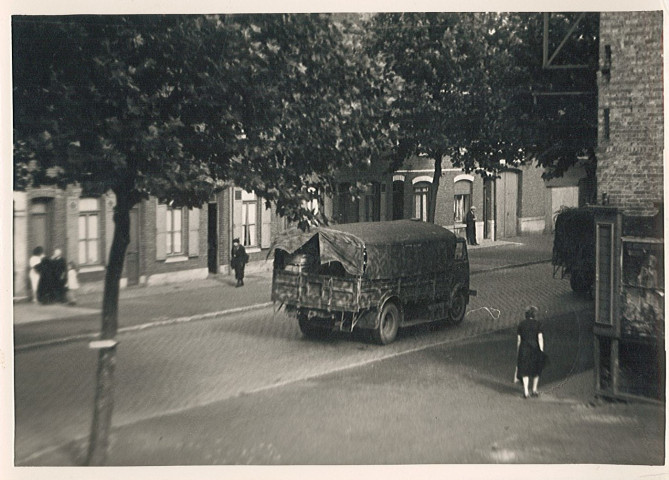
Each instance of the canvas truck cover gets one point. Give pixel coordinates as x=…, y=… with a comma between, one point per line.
x=376, y=250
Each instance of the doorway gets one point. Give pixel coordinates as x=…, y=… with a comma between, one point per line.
x=507, y=203
x=212, y=238
x=398, y=200
x=40, y=226
x=488, y=217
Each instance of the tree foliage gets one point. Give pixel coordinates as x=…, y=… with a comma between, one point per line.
x=178, y=106
x=470, y=83
x=473, y=90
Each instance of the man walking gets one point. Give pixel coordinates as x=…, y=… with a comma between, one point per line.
x=238, y=259
x=470, y=226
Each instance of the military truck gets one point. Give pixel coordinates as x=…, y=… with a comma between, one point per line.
x=378, y=276
x=574, y=248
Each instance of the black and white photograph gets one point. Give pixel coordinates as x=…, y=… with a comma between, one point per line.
x=323, y=241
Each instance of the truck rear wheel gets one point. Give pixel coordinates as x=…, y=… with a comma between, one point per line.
x=458, y=307
x=389, y=323
x=310, y=330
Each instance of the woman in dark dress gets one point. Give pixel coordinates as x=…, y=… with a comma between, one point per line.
x=531, y=356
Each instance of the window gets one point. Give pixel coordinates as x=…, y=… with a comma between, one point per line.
x=420, y=192
x=177, y=233
x=373, y=202
x=246, y=217
x=89, y=231
x=462, y=200
x=174, y=231
x=460, y=207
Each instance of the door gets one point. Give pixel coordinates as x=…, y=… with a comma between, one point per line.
x=212, y=238
x=132, y=252
x=488, y=209
x=40, y=231
x=507, y=192
x=398, y=200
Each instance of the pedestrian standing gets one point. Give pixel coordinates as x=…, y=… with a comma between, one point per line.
x=470, y=226
x=72, y=283
x=34, y=274
x=59, y=272
x=238, y=260
x=530, y=350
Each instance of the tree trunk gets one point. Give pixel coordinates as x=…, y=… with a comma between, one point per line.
x=434, y=188
x=104, y=398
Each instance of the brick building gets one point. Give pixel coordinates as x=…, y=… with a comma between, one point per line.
x=166, y=244
x=630, y=357
x=516, y=203
x=631, y=111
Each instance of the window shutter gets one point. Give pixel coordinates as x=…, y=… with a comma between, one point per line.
x=193, y=232
x=110, y=203
x=266, y=227
x=384, y=203
x=237, y=229
x=161, y=212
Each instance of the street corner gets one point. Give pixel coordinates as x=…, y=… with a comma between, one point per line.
x=34, y=312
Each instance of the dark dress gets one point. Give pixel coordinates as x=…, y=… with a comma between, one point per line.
x=470, y=227
x=530, y=357
x=238, y=261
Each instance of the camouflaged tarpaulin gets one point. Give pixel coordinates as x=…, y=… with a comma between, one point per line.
x=394, y=249
x=333, y=245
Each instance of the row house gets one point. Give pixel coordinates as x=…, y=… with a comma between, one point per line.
x=166, y=244
x=515, y=203
x=180, y=244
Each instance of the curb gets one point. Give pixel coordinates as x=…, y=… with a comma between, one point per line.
x=206, y=316
x=142, y=326
x=509, y=267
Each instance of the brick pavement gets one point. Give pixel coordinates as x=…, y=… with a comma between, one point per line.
x=36, y=325
x=176, y=368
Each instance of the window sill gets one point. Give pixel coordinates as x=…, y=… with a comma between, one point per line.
x=91, y=268
x=176, y=259
x=253, y=250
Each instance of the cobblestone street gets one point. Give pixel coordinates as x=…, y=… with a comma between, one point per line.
x=181, y=366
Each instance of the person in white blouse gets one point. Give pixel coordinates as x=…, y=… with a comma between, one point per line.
x=34, y=274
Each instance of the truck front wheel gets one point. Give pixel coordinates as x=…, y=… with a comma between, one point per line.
x=389, y=323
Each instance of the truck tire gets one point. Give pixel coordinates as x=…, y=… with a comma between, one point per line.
x=389, y=323
x=309, y=330
x=580, y=283
x=458, y=308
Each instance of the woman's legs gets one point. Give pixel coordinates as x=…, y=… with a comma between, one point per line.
x=526, y=385
x=535, y=384
x=34, y=282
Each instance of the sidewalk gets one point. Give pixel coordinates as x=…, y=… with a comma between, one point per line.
x=37, y=325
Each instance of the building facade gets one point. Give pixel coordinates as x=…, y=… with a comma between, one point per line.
x=513, y=204
x=166, y=244
x=631, y=111
x=630, y=356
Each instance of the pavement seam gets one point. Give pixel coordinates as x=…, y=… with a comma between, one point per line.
x=143, y=326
